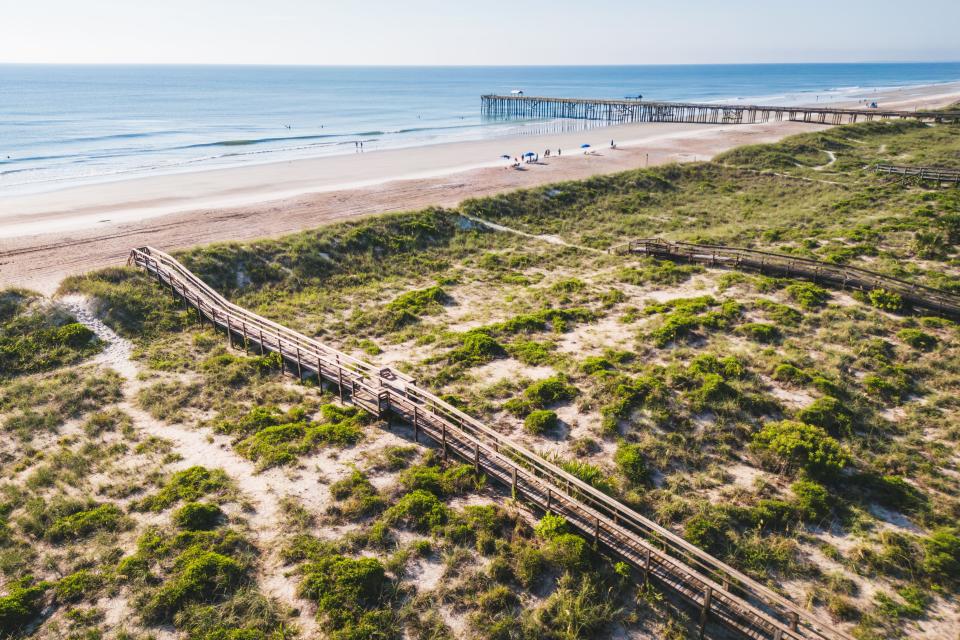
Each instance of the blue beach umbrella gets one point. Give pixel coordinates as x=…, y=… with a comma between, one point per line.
x=584, y=146
x=529, y=154
x=505, y=157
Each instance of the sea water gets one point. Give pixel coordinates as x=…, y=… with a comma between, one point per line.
x=68, y=124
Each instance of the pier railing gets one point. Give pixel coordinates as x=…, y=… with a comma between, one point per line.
x=626, y=111
x=778, y=264
x=721, y=594
x=935, y=174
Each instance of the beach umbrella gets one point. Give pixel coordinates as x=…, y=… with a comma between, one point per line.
x=584, y=146
x=505, y=157
x=529, y=154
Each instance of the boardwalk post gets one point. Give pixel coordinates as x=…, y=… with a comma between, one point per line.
x=705, y=610
x=794, y=621
x=476, y=457
x=596, y=531
x=261, y=342
x=340, y=382
x=416, y=424
x=443, y=439
x=246, y=347
x=320, y=374
x=283, y=363
x=549, y=500
x=646, y=565
x=513, y=482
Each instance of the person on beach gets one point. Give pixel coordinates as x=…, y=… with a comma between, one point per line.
x=558, y=152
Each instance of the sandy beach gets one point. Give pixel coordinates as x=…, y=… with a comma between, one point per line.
x=45, y=237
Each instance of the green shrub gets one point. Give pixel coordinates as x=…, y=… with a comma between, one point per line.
x=408, y=307
x=279, y=444
x=650, y=270
x=627, y=395
x=190, y=485
x=35, y=338
x=886, y=300
x=760, y=331
x=532, y=352
x=796, y=444
x=198, y=516
x=918, y=339
x=630, y=462
x=82, y=585
x=529, y=564
x=419, y=510
x=201, y=576
x=568, y=551
x=106, y=517
x=595, y=364
x=780, y=314
x=882, y=388
x=942, y=555
x=357, y=495
x=829, y=413
x=22, y=604
x=448, y=482
x=813, y=501
x=345, y=591
x=551, y=526
x=549, y=391
x=808, y=295
x=476, y=348
x=788, y=373
x=708, y=530
x=540, y=421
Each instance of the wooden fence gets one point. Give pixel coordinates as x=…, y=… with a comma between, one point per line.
x=918, y=296
x=721, y=594
x=935, y=174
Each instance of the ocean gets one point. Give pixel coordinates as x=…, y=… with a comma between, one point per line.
x=66, y=124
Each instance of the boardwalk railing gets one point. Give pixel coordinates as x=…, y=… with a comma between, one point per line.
x=918, y=296
x=722, y=594
x=624, y=111
x=923, y=173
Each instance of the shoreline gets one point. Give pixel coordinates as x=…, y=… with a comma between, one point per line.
x=94, y=226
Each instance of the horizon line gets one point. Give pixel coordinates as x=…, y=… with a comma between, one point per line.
x=478, y=66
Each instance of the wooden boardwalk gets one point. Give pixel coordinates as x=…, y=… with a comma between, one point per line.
x=626, y=111
x=722, y=595
x=777, y=264
x=935, y=174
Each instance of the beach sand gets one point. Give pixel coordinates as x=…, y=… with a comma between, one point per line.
x=45, y=237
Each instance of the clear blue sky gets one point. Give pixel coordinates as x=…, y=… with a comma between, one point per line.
x=480, y=32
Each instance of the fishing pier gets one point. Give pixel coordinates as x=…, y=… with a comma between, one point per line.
x=632, y=110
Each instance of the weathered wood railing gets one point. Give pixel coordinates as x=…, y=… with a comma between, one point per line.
x=722, y=594
x=935, y=174
x=627, y=110
x=916, y=295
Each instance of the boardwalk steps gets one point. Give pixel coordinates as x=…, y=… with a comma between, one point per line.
x=625, y=111
x=935, y=174
x=776, y=264
x=723, y=595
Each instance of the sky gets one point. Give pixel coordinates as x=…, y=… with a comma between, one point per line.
x=486, y=32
